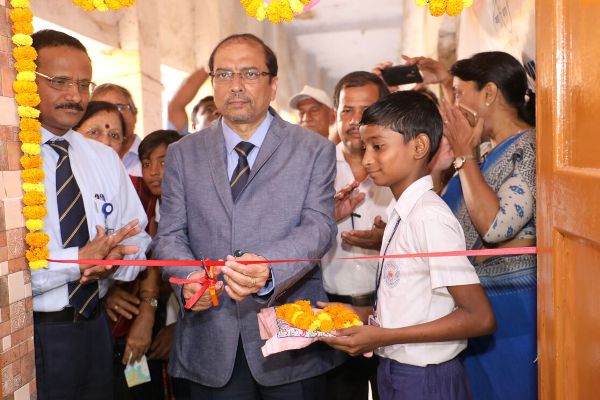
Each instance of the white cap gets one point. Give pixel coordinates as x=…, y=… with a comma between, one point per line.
x=309, y=92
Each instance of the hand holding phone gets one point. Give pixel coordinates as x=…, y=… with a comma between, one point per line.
x=401, y=75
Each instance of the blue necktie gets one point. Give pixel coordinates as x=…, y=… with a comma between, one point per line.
x=242, y=171
x=73, y=225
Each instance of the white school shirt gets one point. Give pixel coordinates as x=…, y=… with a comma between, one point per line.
x=98, y=171
x=414, y=290
x=358, y=276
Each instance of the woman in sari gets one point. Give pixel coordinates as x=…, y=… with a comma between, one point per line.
x=493, y=196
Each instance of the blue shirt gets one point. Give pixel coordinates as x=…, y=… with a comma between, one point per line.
x=257, y=139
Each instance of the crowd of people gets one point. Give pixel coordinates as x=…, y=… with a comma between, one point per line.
x=371, y=171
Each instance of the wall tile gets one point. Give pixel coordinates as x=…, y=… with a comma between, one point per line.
x=12, y=183
x=8, y=116
x=18, y=316
x=2, y=219
x=14, y=155
x=15, y=239
x=6, y=342
x=22, y=393
x=4, y=152
x=8, y=380
x=3, y=292
x=4, y=268
x=16, y=289
x=12, y=213
x=19, y=264
x=8, y=77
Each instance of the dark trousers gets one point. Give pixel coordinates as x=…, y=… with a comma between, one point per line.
x=350, y=381
x=445, y=381
x=242, y=386
x=73, y=360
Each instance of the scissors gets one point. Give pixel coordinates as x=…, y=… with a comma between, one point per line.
x=211, y=281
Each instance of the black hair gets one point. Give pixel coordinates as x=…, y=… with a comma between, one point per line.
x=204, y=100
x=94, y=107
x=51, y=38
x=506, y=72
x=155, y=139
x=409, y=113
x=358, y=79
x=270, y=57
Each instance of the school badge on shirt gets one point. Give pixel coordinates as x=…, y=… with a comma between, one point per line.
x=391, y=275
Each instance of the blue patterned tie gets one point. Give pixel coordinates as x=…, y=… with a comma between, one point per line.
x=73, y=225
x=242, y=171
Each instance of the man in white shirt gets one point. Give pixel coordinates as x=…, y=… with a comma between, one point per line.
x=122, y=98
x=353, y=282
x=93, y=213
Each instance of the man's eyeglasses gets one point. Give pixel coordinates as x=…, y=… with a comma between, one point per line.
x=124, y=107
x=63, y=83
x=247, y=75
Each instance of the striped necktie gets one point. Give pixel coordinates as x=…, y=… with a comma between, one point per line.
x=242, y=171
x=73, y=225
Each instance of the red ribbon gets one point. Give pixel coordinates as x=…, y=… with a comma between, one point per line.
x=208, y=282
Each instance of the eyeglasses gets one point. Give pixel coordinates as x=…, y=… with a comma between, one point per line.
x=124, y=107
x=64, y=83
x=247, y=75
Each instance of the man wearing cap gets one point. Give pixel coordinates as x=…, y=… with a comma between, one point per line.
x=315, y=110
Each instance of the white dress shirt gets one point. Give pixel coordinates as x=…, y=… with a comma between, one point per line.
x=132, y=162
x=102, y=179
x=414, y=290
x=354, y=277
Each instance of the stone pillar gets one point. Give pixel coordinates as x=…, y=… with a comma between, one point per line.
x=17, y=359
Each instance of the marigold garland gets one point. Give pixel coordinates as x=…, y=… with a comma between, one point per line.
x=437, y=8
x=301, y=315
x=103, y=5
x=27, y=99
x=275, y=11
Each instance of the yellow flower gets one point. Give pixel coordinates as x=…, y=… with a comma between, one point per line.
x=315, y=325
x=30, y=124
x=26, y=28
x=437, y=8
x=100, y=5
x=39, y=264
x=31, y=148
x=28, y=161
x=33, y=187
x=27, y=99
x=252, y=7
x=286, y=11
x=25, y=87
x=305, y=2
x=22, y=40
x=454, y=7
x=19, y=3
x=37, y=253
x=26, y=76
x=37, y=239
x=28, y=112
x=34, y=198
x=261, y=13
x=273, y=12
x=467, y=3
x=25, y=65
x=21, y=15
x=297, y=6
x=32, y=175
x=422, y=3
x=26, y=52
x=34, y=212
x=34, y=224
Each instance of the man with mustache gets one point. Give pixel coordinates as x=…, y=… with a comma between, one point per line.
x=252, y=187
x=354, y=282
x=93, y=213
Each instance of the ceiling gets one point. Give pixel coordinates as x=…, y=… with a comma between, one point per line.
x=349, y=35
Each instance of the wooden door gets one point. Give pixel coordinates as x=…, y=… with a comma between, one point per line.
x=568, y=221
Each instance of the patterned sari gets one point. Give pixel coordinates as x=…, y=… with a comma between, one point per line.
x=504, y=365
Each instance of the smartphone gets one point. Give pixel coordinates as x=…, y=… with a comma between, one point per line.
x=469, y=114
x=401, y=75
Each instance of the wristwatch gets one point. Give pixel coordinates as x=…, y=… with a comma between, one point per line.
x=153, y=301
x=459, y=161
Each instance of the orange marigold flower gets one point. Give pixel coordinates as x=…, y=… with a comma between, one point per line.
x=28, y=99
x=37, y=239
x=30, y=124
x=25, y=65
x=25, y=52
x=37, y=253
x=34, y=198
x=23, y=27
x=29, y=161
x=32, y=175
x=304, y=320
x=326, y=326
x=21, y=15
x=437, y=8
x=34, y=212
x=30, y=136
x=25, y=87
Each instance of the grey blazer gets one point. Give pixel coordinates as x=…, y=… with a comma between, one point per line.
x=284, y=211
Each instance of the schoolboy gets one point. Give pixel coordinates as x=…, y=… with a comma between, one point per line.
x=426, y=308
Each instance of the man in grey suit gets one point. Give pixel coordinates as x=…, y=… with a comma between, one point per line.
x=255, y=185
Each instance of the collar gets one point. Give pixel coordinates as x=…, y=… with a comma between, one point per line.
x=257, y=138
x=49, y=136
x=135, y=146
x=410, y=196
